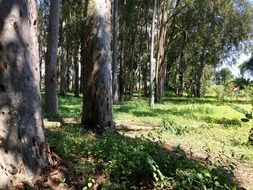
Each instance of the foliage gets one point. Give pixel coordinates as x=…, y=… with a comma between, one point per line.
x=173, y=127
x=129, y=163
x=223, y=76
x=241, y=83
x=247, y=66
x=248, y=116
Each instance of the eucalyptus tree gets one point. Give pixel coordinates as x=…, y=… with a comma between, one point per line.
x=152, y=60
x=209, y=31
x=51, y=104
x=97, y=93
x=22, y=140
x=115, y=65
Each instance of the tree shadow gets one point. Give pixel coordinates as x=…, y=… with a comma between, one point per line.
x=126, y=162
x=22, y=143
x=225, y=122
x=205, y=100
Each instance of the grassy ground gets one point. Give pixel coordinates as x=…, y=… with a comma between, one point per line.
x=138, y=159
x=198, y=124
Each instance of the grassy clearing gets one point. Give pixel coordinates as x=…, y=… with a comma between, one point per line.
x=197, y=124
x=130, y=160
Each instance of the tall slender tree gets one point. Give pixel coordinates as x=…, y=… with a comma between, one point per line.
x=97, y=94
x=152, y=60
x=115, y=65
x=51, y=104
x=22, y=140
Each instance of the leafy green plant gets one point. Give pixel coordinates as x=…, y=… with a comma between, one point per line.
x=248, y=116
x=172, y=127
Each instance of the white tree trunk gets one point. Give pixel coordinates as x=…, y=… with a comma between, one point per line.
x=152, y=61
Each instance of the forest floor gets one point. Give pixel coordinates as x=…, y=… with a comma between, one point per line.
x=180, y=143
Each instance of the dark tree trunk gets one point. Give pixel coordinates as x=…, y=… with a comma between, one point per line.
x=22, y=140
x=69, y=66
x=122, y=68
x=51, y=105
x=97, y=94
x=161, y=65
x=115, y=81
x=81, y=77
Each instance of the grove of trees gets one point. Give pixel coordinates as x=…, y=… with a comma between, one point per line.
x=108, y=51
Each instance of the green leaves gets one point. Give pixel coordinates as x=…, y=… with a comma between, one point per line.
x=248, y=115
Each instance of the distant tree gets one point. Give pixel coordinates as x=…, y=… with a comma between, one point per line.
x=247, y=67
x=22, y=140
x=223, y=76
x=97, y=90
x=115, y=65
x=152, y=60
x=241, y=83
x=51, y=105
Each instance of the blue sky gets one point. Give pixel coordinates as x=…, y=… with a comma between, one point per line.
x=234, y=68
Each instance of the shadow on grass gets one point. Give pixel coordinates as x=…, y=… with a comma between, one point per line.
x=205, y=100
x=188, y=112
x=134, y=163
x=225, y=122
x=69, y=106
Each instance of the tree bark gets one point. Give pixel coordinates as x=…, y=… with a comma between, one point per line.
x=115, y=82
x=161, y=65
x=51, y=105
x=22, y=140
x=152, y=61
x=63, y=71
x=76, y=68
x=200, y=75
x=97, y=94
x=122, y=67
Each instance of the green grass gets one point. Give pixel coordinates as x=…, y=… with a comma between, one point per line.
x=132, y=163
x=130, y=160
x=210, y=124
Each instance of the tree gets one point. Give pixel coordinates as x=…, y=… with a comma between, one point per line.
x=51, y=105
x=152, y=61
x=223, y=76
x=97, y=92
x=247, y=67
x=22, y=140
x=115, y=83
x=161, y=64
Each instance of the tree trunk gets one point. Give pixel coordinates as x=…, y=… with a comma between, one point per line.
x=152, y=61
x=63, y=72
x=115, y=82
x=97, y=94
x=69, y=65
x=122, y=67
x=131, y=70
x=161, y=65
x=200, y=75
x=76, y=68
x=22, y=140
x=51, y=105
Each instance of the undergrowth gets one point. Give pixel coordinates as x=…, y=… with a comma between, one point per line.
x=134, y=163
